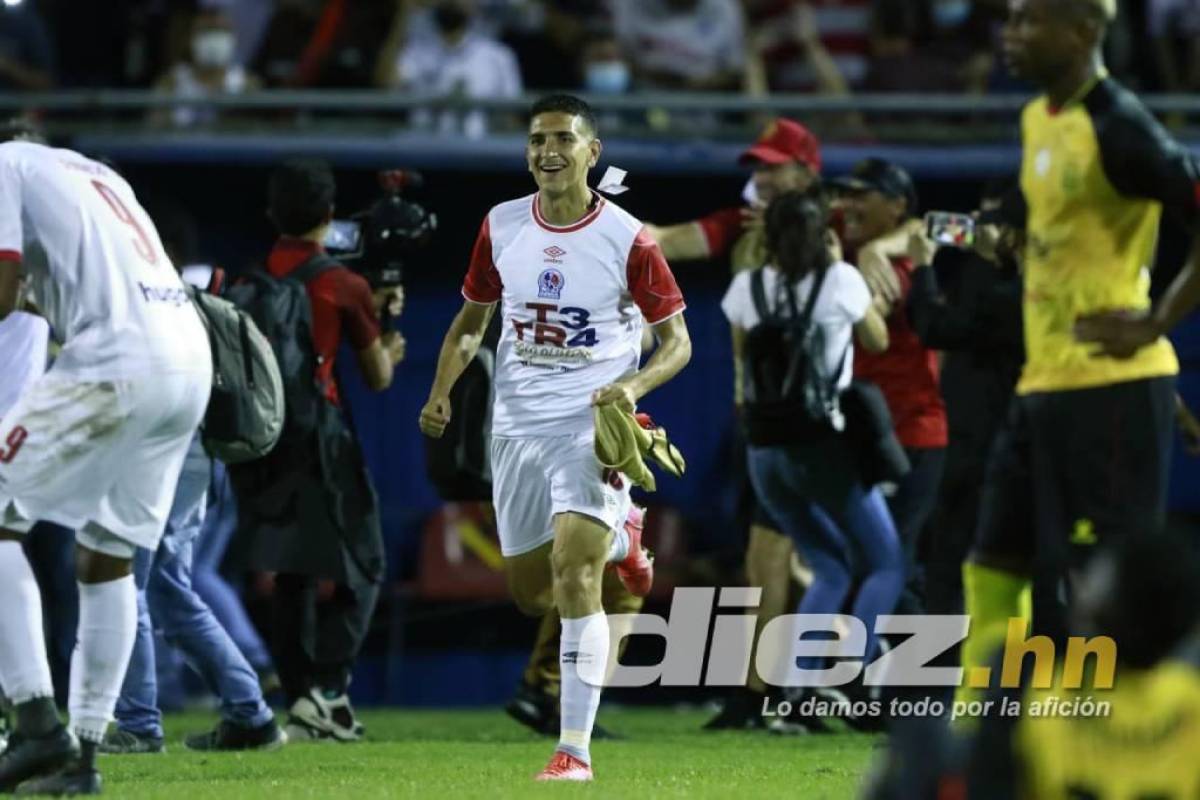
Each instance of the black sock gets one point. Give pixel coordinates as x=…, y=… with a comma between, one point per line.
x=87, y=754
x=37, y=717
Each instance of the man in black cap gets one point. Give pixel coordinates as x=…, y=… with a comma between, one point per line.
x=877, y=200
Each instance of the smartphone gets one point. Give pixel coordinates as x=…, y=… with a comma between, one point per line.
x=950, y=229
x=343, y=236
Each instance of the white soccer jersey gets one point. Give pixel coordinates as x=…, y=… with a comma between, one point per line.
x=570, y=303
x=96, y=265
x=23, y=345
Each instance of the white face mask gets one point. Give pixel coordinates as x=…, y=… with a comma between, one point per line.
x=607, y=77
x=213, y=48
x=949, y=14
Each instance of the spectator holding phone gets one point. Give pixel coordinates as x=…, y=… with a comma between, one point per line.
x=966, y=302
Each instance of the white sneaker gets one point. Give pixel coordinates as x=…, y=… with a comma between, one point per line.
x=333, y=715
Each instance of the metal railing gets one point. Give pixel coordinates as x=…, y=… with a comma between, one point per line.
x=901, y=118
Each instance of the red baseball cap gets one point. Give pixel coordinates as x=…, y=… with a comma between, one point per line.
x=782, y=142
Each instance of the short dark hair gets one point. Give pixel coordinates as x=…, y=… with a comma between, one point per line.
x=565, y=104
x=176, y=227
x=22, y=129
x=300, y=195
x=1101, y=12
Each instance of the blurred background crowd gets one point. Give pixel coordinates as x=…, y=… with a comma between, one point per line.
x=499, y=48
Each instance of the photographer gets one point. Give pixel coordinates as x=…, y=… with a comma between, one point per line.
x=974, y=317
x=310, y=504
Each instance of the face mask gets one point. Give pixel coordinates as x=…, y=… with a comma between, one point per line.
x=607, y=77
x=951, y=13
x=213, y=48
x=449, y=18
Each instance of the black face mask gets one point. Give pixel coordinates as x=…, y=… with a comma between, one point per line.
x=450, y=18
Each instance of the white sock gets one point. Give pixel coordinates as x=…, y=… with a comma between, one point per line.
x=107, y=628
x=620, y=544
x=24, y=667
x=583, y=656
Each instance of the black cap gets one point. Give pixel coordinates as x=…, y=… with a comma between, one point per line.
x=1010, y=212
x=877, y=175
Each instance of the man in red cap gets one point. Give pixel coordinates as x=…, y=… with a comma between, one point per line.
x=786, y=156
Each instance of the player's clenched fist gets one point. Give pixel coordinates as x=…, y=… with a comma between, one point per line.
x=435, y=416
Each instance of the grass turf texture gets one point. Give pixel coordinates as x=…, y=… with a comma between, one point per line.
x=482, y=753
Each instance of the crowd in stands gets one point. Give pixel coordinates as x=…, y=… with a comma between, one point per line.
x=498, y=48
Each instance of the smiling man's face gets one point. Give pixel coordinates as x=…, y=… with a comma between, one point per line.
x=561, y=150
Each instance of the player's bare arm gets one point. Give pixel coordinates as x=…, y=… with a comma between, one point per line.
x=458, y=348
x=673, y=354
x=875, y=260
x=682, y=242
x=378, y=360
x=10, y=287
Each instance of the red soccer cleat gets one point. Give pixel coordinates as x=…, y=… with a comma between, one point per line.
x=636, y=570
x=565, y=767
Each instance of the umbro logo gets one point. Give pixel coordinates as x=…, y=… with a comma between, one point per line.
x=554, y=254
x=576, y=657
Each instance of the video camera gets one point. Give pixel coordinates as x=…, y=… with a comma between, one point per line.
x=377, y=241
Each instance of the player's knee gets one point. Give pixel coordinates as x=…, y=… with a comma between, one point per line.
x=101, y=556
x=95, y=567
x=577, y=576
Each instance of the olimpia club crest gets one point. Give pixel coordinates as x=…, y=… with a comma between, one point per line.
x=550, y=284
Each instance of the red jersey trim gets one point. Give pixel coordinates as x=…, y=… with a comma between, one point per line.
x=10, y=255
x=470, y=299
x=664, y=318
x=586, y=220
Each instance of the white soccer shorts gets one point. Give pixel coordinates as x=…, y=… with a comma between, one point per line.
x=534, y=479
x=102, y=455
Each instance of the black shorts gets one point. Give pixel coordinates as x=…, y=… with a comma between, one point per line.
x=1004, y=530
x=1071, y=470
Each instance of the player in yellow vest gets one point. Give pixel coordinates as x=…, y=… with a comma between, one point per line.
x=1093, y=416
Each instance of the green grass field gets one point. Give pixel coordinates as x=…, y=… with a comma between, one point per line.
x=481, y=753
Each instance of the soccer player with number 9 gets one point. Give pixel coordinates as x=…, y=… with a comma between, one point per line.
x=95, y=444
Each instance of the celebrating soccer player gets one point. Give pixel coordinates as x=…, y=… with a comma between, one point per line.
x=572, y=271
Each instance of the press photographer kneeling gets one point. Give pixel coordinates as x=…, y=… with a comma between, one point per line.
x=817, y=447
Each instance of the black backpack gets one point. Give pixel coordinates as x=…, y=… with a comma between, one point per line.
x=789, y=395
x=459, y=464
x=315, y=480
x=281, y=309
